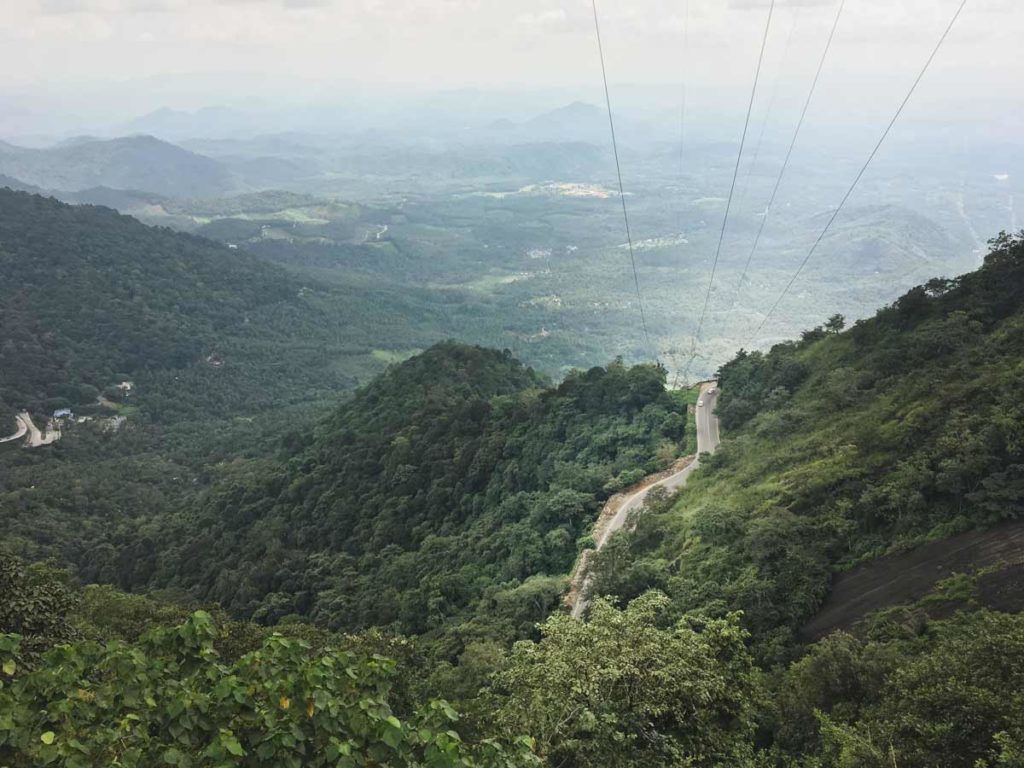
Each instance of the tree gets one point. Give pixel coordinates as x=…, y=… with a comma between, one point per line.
x=835, y=324
x=951, y=697
x=627, y=690
x=35, y=604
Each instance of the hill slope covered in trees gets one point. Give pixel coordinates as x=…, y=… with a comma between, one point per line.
x=90, y=296
x=88, y=293
x=131, y=162
x=452, y=490
x=842, y=447
x=448, y=497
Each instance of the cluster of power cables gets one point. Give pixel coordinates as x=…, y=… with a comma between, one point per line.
x=743, y=140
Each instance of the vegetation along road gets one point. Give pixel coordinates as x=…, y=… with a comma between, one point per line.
x=707, y=441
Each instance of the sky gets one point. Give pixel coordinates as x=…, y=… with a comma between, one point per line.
x=121, y=55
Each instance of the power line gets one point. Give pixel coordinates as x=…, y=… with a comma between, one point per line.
x=771, y=102
x=618, y=171
x=871, y=157
x=684, y=77
x=736, y=171
x=792, y=144
x=682, y=107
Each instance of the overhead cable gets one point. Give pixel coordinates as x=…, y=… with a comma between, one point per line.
x=736, y=171
x=618, y=171
x=792, y=143
x=864, y=168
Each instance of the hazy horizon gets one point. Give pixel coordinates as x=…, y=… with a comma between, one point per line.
x=75, y=66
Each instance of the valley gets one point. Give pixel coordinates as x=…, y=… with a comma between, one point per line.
x=534, y=260
x=291, y=403
x=317, y=521
x=488, y=385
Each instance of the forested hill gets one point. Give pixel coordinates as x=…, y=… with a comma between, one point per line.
x=844, y=446
x=451, y=491
x=89, y=295
x=129, y=162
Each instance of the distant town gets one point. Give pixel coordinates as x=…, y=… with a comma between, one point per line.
x=103, y=415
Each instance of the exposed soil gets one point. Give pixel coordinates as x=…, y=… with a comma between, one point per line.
x=608, y=512
x=614, y=504
x=907, y=577
x=19, y=433
x=1003, y=590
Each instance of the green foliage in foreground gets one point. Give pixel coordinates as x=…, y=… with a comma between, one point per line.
x=632, y=687
x=843, y=446
x=622, y=690
x=170, y=700
x=950, y=695
x=34, y=604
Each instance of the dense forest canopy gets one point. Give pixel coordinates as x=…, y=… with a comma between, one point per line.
x=455, y=488
x=319, y=576
x=89, y=294
x=91, y=298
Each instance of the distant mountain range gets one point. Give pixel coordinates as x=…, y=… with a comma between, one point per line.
x=577, y=121
x=217, y=158
x=134, y=162
x=18, y=185
x=124, y=200
x=174, y=125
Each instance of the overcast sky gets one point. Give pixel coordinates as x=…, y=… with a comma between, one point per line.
x=68, y=44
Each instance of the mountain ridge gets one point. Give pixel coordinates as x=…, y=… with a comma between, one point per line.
x=132, y=162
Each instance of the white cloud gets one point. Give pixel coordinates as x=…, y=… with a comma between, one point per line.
x=493, y=42
x=545, y=18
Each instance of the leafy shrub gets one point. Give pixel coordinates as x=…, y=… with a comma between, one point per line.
x=170, y=700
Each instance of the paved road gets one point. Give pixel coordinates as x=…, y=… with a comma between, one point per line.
x=707, y=442
x=20, y=433
x=35, y=437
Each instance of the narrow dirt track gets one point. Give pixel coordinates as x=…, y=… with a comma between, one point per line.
x=619, y=507
x=36, y=438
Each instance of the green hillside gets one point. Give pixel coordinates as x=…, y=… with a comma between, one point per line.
x=131, y=162
x=90, y=297
x=844, y=446
x=419, y=536
x=88, y=293
x=478, y=384
x=451, y=491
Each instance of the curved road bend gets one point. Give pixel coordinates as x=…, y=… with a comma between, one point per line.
x=707, y=441
x=37, y=438
x=20, y=433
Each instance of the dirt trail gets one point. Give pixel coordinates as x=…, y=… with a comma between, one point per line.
x=603, y=525
x=618, y=508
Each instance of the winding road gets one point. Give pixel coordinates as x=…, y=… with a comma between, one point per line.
x=19, y=433
x=707, y=442
x=35, y=438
